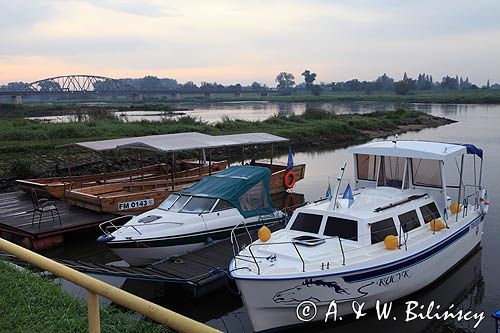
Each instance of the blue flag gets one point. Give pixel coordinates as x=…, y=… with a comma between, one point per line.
x=289, y=165
x=348, y=195
x=328, y=194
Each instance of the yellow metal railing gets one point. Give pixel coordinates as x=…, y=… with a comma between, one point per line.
x=96, y=287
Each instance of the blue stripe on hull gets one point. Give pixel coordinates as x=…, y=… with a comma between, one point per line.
x=408, y=263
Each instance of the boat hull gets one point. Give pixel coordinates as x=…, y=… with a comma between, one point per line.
x=147, y=251
x=272, y=303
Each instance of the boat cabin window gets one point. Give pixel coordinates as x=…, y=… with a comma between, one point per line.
x=392, y=172
x=426, y=172
x=367, y=166
x=168, y=202
x=222, y=205
x=307, y=223
x=198, y=205
x=344, y=228
x=409, y=220
x=382, y=229
x=179, y=203
x=430, y=212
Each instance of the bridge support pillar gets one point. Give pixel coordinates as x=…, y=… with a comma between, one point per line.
x=176, y=96
x=238, y=94
x=209, y=95
x=138, y=98
x=17, y=100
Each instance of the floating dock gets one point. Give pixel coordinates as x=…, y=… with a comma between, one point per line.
x=199, y=272
x=16, y=213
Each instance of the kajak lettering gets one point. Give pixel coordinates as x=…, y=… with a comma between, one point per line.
x=390, y=279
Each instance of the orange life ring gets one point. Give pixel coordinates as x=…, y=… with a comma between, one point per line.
x=289, y=179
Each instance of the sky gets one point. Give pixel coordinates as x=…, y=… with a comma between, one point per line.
x=232, y=41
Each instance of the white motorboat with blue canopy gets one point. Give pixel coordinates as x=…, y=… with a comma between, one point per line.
x=413, y=215
x=193, y=217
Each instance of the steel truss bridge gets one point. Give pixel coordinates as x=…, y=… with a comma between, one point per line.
x=81, y=85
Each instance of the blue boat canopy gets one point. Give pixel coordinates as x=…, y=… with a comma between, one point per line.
x=471, y=149
x=245, y=187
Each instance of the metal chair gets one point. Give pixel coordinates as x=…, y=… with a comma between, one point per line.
x=41, y=206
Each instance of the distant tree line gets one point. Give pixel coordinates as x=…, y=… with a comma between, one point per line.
x=285, y=85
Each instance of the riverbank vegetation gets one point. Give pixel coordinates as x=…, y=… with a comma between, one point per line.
x=32, y=303
x=26, y=142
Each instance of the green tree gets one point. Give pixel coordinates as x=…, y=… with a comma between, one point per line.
x=401, y=87
x=285, y=81
x=309, y=78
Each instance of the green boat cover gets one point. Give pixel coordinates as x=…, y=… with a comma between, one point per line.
x=246, y=187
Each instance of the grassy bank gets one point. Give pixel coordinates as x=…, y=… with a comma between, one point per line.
x=21, y=138
x=31, y=303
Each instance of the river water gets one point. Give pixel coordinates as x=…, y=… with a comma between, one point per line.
x=474, y=285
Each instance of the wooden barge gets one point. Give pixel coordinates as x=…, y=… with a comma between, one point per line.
x=135, y=197
x=137, y=190
x=58, y=186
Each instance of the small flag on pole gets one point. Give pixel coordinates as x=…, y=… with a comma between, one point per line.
x=289, y=165
x=328, y=194
x=348, y=195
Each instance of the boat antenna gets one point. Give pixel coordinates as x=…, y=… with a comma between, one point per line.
x=333, y=201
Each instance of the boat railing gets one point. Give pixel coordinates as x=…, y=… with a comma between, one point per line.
x=234, y=239
x=294, y=243
x=110, y=226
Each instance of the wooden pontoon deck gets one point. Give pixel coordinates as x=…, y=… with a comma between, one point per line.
x=16, y=211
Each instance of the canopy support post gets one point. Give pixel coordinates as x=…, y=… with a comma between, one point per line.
x=460, y=185
x=228, y=153
x=272, y=155
x=104, y=165
x=141, y=157
x=129, y=156
x=200, y=162
x=173, y=171
x=476, y=197
x=210, y=162
x=445, y=195
x=480, y=172
x=242, y=155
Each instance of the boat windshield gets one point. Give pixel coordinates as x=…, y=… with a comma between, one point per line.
x=168, y=202
x=198, y=205
x=179, y=203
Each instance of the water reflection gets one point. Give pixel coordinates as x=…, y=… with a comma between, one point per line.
x=213, y=112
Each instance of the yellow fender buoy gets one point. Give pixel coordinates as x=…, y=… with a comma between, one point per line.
x=391, y=242
x=264, y=234
x=455, y=208
x=437, y=224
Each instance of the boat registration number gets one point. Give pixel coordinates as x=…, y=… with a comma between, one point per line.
x=136, y=204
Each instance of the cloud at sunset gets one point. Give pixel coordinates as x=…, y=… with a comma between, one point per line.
x=231, y=41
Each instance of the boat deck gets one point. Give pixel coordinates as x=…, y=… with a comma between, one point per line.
x=16, y=212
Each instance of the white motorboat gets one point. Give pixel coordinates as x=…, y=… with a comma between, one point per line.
x=194, y=217
x=400, y=229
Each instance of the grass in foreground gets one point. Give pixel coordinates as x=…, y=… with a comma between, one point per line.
x=31, y=303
